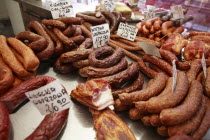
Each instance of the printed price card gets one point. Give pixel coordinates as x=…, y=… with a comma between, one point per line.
x=203, y=62
x=127, y=32
x=177, y=11
x=141, y=4
x=109, y=5
x=174, y=75
x=50, y=98
x=100, y=35
x=61, y=9
x=150, y=12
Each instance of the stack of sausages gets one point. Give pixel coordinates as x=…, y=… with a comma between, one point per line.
x=183, y=110
x=17, y=63
x=157, y=30
x=109, y=64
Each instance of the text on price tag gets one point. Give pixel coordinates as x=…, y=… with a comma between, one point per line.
x=50, y=98
x=174, y=74
x=203, y=62
x=177, y=11
x=109, y=5
x=150, y=12
x=127, y=31
x=100, y=35
x=141, y=4
x=61, y=9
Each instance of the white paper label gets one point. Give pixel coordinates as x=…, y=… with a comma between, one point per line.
x=100, y=35
x=203, y=62
x=141, y=4
x=174, y=75
x=150, y=12
x=109, y=5
x=50, y=98
x=61, y=9
x=177, y=11
x=149, y=49
x=127, y=31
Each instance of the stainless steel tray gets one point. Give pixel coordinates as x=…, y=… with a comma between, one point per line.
x=80, y=122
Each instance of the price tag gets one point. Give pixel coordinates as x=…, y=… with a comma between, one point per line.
x=127, y=32
x=61, y=9
x=141, y=4
x=174, y=75
x=150, y=12
x=50, y=98
x=100, y=35
x=109, y=5
x=177, y=11
x=203, y=62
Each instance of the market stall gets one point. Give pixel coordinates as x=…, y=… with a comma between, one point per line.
x=107, y=71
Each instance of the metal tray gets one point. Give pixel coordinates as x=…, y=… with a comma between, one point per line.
x=80, y=121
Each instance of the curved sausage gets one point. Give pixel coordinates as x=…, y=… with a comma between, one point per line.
x=143, y=95
x=169, y=57
x=49, y=50
x=159, y=62
x=205, y=124
x=109, y=61
x=58, y=45
x=187, y=109
x=74, y=55
x=117, y=80
x=10, y=59
x=71, y=20
x=156, y=104
x=36, y=42
x=191, y=125
x=113, y=19
x=15, y=96
x=142, y=105
x=90, y=71
x=91, y=18
x=81, y=63
x=64, y=39
x=136, y=85
x=194, y=70
x=31, y=62
x=146, y=70
x=54, y=23
x=50, y=127
x=63, y=68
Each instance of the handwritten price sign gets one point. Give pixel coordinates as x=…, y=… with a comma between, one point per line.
x=50, y=98
x=177, y=11
x=127, y=32
x=100, y=35
x=150, y=12
x=109, y=5
x=61, y=9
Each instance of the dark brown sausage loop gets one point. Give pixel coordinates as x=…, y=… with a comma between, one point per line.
x=113, y=59
x=49, y=50
x=90, y=71
x=36, y=42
